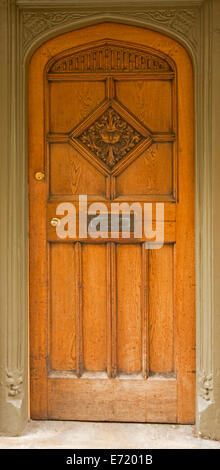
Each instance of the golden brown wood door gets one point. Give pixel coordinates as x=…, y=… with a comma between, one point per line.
x=112, y=325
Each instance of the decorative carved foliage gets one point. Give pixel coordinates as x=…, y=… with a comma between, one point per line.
x=110, y=138
x=185, y=22
x=14, y=382
x=110, y=58
x=206, y=386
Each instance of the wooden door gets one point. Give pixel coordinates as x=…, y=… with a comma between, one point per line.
x=112, y=324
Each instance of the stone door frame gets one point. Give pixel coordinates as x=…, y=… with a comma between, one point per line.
x=24, y=26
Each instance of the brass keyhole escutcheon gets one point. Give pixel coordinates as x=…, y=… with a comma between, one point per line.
x=39, y=176
x=54, y=222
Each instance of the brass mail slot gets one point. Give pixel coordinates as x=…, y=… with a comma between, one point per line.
x=112, y=222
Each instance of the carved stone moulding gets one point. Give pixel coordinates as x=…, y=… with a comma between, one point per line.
x=179, y=20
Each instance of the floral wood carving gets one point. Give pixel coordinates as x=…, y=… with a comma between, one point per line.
x=185, y=22
x=110, y=58
x=110, y=137
x=14, y=381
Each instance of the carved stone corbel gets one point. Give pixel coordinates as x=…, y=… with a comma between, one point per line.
x=14, y=382
x=206, y=386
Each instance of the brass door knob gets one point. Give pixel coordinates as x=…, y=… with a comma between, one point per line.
x=54, y=222
x=39, y=176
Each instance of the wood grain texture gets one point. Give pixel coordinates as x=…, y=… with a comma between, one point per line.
x=185, y=257
x=111, y=311
x=79, y=310
x=94, y=307
x=149, y=100
x=63, y=308
x=134, y=310
x=70, y=173
x=72, y=101
x=145, y=311
x=113, y=400
x=153, y=173
x=129, y=308
x=161, y=309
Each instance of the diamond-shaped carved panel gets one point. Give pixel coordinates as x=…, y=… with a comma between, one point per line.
x=110, y=138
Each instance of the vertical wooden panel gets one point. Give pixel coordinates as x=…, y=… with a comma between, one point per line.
x=111, y=311
x=63, y=313
x=161, y=315
x=79, y=320
x=114, y=309
x=145, y=311
x=94, y=307
x=129, y=308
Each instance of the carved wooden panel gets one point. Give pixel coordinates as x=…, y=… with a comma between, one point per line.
x=111, y=58
x=110, y=138
x=112, y=122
